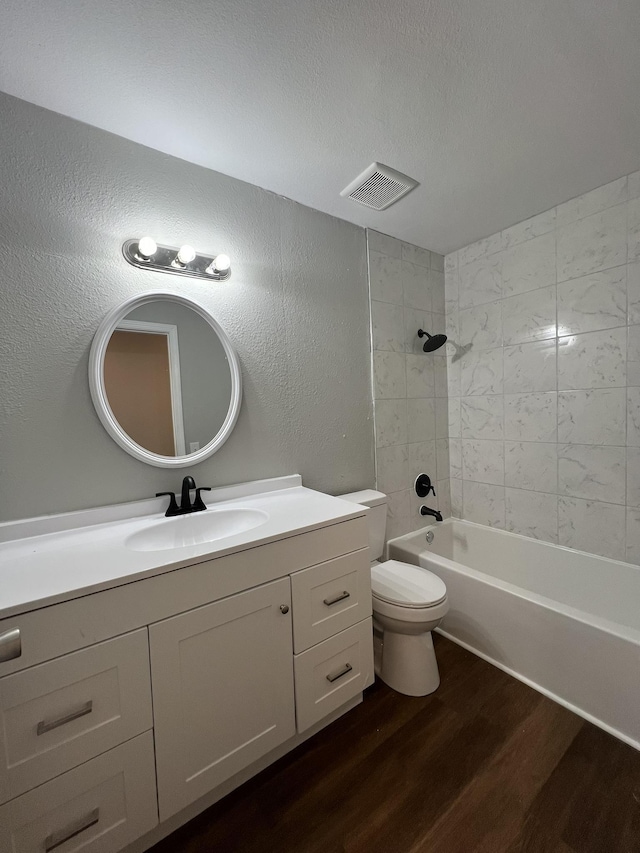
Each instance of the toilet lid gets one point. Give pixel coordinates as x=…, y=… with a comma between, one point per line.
x=408, y=586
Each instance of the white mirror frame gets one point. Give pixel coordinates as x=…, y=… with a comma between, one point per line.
x=99, y=394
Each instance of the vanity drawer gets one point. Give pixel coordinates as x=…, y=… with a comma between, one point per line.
x=331, y=673
x=59, y=714
x=330, y=597
x=99, y=807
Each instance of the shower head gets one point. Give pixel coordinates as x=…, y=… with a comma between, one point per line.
x=433, y=342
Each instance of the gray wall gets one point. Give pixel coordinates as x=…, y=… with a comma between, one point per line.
x=410, y=386
x=296, y=309
x=544, y=409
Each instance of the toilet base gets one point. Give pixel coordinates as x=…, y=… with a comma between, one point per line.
x=407, y=663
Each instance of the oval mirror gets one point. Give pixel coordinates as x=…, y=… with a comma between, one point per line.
x=165, y=380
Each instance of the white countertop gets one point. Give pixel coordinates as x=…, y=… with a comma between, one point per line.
x=55, y=558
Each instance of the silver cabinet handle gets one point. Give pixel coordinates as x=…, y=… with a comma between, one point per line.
x=336, y=598
x=336, y=675
x=47, y=725
x=56, y=839
x=10, y=645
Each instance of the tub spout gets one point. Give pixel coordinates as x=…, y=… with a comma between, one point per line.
x=425, y=510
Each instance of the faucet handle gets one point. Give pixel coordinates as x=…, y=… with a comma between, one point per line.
x=172, y=509
x=198, y=503
x=423, y=486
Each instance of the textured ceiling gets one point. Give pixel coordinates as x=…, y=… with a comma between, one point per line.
x=500, y=109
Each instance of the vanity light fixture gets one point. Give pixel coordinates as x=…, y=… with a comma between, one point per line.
x=145, y=253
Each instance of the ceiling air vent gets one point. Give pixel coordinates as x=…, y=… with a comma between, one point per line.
x=379, y=187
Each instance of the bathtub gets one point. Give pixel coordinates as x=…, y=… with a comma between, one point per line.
x=565, y=622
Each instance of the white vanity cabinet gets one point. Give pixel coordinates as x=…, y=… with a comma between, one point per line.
x=223, y=690
x=126, y=711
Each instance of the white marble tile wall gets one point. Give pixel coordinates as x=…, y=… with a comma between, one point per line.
x=543, y=370
x=409, y=386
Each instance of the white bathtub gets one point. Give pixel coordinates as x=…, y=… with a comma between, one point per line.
x=562, y=621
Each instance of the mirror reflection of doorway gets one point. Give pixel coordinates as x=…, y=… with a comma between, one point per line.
x=142, y=381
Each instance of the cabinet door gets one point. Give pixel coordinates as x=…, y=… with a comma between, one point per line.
x=222, y=682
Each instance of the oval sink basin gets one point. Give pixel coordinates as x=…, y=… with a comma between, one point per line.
x=196, y=529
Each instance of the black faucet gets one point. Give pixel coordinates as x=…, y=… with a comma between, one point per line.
x=425, y=510
x=185, y=499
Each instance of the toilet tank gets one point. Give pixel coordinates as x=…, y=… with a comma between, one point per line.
x=376, y=518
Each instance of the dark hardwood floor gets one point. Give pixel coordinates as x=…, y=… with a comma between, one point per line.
x=484, y=765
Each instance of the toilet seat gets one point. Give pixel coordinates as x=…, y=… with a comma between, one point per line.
x=403, y=585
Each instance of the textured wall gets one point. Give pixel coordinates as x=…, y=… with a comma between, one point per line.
x=296, y=309
x=544, y=409
x=410, y=386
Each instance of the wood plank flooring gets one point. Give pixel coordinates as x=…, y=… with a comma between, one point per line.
x=484, y=765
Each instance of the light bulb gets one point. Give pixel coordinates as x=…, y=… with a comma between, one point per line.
x=186, y=254
x=222, y=263
x=219, y=267
x=147, y=247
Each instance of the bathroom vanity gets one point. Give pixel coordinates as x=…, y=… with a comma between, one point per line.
x=148, y=666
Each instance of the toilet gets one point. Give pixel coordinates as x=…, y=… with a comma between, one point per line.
x=408, y=603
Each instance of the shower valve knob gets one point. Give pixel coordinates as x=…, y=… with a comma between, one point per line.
x=423, y=485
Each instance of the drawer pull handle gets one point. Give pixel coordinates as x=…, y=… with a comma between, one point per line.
x=10, y=645
x=47, y=725
x=336, y=675
x=339, y=597
x=56, y=839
